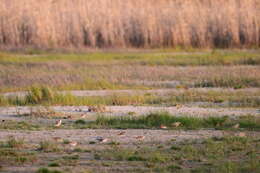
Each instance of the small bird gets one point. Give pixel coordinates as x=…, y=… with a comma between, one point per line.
x=58, y=139
x=121, y=133
x=69, y=117
x=163, y=127
x=140, y=137
x=83, y=116
x=58, y=123
x=236, y=126
x=92, y=109
x=176, y=124
x=101, y=139
x=73, y=143
x=178, y=106
x=241, y=134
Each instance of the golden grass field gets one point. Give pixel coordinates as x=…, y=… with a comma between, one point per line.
x=131, y=23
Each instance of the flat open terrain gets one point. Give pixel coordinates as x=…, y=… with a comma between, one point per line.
x=137, y=111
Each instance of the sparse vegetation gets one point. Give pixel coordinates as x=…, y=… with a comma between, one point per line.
x=54, y=164
x=46, y=170
x=19, y=125
x=208, y=98
x=15, y=143
x=12, y=152
x=129, y=70
x=227, y=154
x=48, y=146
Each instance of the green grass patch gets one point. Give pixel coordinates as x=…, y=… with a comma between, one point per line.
x=155, y=120
x=54, y=164
x=216, y=57
x=124, y=70
x=237, y=82
x=47, y=96
x=46, y=170
x=10, y=156
x=19, y=125
x=13, y=152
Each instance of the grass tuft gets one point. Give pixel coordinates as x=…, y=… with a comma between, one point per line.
x=46, y=170
x=15, y=143
x=54, y=164
x=47, y=146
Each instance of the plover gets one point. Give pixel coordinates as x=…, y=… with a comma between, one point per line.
x=73, y=143
x=121, y=133
x=140, y=137
x=241, y=134
x=101, y=139
x=83, y=116
x=58, y=123
x=176, y=124
x=163, y=127
x=69, y=117
x=236, y=126
x=178, y=106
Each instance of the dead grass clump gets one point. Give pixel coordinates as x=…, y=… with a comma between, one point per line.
x=98, y=108
x=14, y=143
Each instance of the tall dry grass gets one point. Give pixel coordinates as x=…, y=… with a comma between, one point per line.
x=129, y=23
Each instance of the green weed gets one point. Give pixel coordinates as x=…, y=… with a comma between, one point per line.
x=46, y=170
x=155, y=120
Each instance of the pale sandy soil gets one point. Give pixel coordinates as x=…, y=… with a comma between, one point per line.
x=84, y=136
x=12, y=113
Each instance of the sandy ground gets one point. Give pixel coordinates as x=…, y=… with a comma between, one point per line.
x=84, y=136
x=12, y=113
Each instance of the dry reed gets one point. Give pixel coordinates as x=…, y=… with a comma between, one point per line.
x=129, y=23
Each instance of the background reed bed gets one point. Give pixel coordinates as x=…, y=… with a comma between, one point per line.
x=129, y=24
